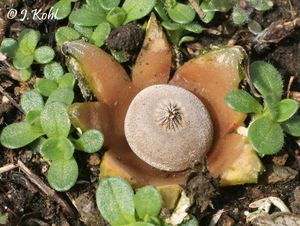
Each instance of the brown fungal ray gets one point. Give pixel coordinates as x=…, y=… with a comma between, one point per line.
x=100, y=71
x=154, y=61
x=103, y=74
x=210, y=77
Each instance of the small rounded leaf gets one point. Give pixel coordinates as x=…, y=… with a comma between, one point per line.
x=266, y=80
x=109, y=4
x=55, y=121
x=182, y=13
x=137, y=9
x=25, y=74
x=85, y=17
x=242, y=101
x=22, y=61
x=62, y=95
x=64, y=34
x=90, y=141
x=240, y=16
x=66, y=81
x=116, y=17
x=9, y=47
x=62, y=9
x=57, y=148
x=53, y=70
x=63, y=174
x=286, y=109
x=31, y=100
x=46, y=86
x=18, y=135
x=266, y=136
x=292, y=126
x=100, y=34
x=115, y=201
x=147, y=201
x=44, y=54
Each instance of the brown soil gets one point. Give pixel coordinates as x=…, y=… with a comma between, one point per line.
x=26, y=204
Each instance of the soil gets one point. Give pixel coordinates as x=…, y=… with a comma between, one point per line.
x=25, y=203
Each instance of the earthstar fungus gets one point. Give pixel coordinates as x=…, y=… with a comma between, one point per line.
x=207, y=78
x=168, y=127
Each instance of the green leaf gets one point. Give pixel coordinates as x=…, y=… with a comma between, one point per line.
x=115, y=201
x=9, y=47
x=33, y=117
x=28, y=41
x=85, y=31
x=62, y=9
x=191, y=222
x=120, y=56
x=100, y=34
x=266, y=136
x=263, y=5
x=160, y=9
x=55, y=121
x=292, y=126
x=182, y=13
x=147, y=201
x=66, y=81
x=192, y=27
x=185, y=39
x=137, y=9
x=242, y=101
x=209, y=10
x=18, y=135
x=116, y=17
x=64, y=34
x=266, y=80
x=63, y=174
x=90, y=141
x=46, y=86
x=31, y=100
x=53, y=70
x=44, y=54
x=62, y=95
x=109, y=4
x=22, y=61
x=25, y=74
x=286, y=109
x=85, y=17
x=57, y=148
x=240, y=16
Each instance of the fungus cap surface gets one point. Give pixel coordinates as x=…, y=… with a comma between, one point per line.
x=168, y=127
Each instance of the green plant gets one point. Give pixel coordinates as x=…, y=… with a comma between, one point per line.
x=96, y=18
x=276, y=116
x=119, y=205
x=25, y=51
x=178, y=19
x=47, y=122
x=241, y=9
x=62, y=8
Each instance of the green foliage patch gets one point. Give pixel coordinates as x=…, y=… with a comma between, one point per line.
x=276, y=116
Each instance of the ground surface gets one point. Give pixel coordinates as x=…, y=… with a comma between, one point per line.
x=27, y=204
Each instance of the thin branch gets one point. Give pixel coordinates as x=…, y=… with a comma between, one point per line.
x=3, y=92
x=7, y=168
x=197, y=8
x=46, y=190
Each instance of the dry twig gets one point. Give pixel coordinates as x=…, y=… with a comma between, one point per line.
x=49, y=192
x=197, y=8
